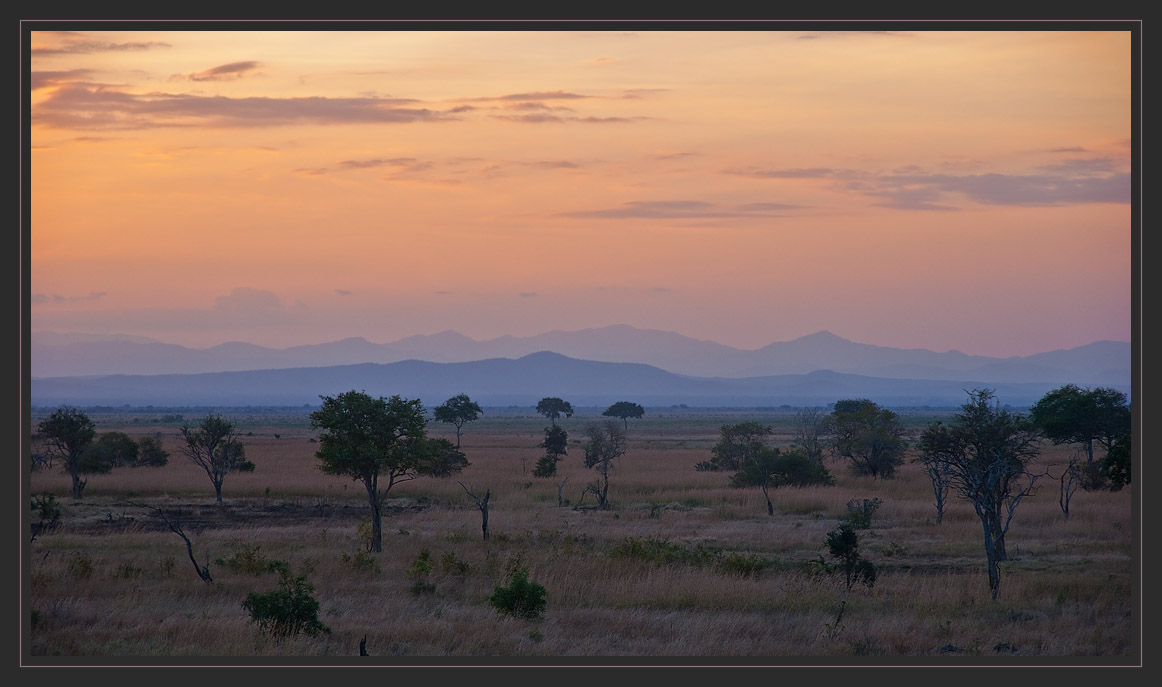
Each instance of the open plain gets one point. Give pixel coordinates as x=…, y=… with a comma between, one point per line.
x=681, y=565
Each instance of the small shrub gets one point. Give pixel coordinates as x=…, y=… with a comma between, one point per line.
x=859, y=512
x=167, y=566
x=451, y=563
x=80, y=566
x=286, y=611
x=250, y=561
x=743, y=564
x=422, y=567
x=127, y=571
x=361, y=561
x=843, y=544
x=520, y=598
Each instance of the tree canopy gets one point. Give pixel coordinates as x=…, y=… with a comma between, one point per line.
x=367, y=438
x=215, y=446
x=870, y=437
x=771, y=468
x=984, y=453
x=624, y=410
x=67, y=434
x=737, y=444
x=553, y=408
x=458, y=410
x=1071, y=414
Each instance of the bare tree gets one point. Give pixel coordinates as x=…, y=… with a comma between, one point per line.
x=482, y=504
x=175, y=526
x=215, y=447
x=811, y=429
x=938, y=475
x=607, y=442
x=1071, y=479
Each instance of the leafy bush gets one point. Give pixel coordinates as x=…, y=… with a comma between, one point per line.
x=663, y=552
x=286, y=611
x=520, y=598
x=859, y=512
x=843, y=544
x=743, y=564
x=422, y=567
x=80, y=566
x=451, y=563
x=249, y=560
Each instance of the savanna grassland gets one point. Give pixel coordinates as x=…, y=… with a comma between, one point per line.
x=681, y=565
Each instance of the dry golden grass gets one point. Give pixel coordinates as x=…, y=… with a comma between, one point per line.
x=1065, y=592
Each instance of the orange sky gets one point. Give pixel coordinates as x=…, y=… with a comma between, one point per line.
x=943, y=190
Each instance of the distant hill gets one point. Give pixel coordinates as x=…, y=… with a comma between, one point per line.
x=1104, y=363
x=503, y=381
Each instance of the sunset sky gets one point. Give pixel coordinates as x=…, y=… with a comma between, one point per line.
x=942, y=190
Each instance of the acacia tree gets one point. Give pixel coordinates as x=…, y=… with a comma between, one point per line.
x=67, y=434
x=214, y=446
x=553, y=408
x=118, y=449
x=556, y=445
x=367, y=438
x=985, y=452
x=870, y=437
x=811, y=429
x=606, y=443
x=738, y=443
x=458, y=410
x=770, y=469
x=624, y=410
x=1071, y=414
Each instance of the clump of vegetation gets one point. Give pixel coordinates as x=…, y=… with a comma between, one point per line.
x=451, y=563
x=422, y=566
x=859, y=512
x=287, y=611
x=664, y=552
x=520, y=598
x=249, y=560
x=843, y=545
x=743, y=564
x=80, y=566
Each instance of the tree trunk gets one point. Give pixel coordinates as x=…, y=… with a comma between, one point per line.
x=376, y=519
x=484, y=519
x=994, y=570
x=78, y=485
x=770, y=506
x=218, y=491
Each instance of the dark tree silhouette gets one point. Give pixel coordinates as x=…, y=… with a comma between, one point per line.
x=214, y=446
x=458, y=410
x=367, y=438
x=985, y=452
x=553, y=408
x=624, y=410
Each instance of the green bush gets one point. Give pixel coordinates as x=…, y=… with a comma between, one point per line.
x=249, y=560
x=422, y=567
x=286, y=611
x=80, y=566
x=743, y=564
x=859, y=512
x=520, y=598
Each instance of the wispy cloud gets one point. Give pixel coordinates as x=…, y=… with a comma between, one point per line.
x=1092, y=180
x=42, y=298
x=65, y=42
x=225, y=72
x=683, y=209
x=95, y=107
x=39, y=80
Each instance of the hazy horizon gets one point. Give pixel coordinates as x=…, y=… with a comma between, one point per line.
x=939, y=190
x=115, y=336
